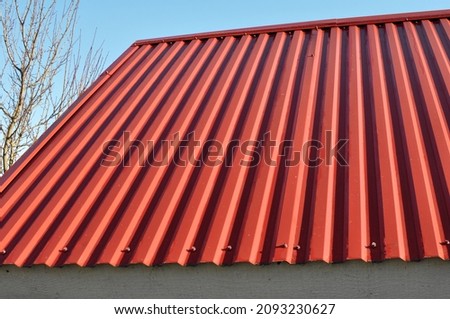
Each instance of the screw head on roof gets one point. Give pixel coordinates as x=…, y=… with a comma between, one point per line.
x=282, y=245
x=192, y=249
x=296, y=247
x=445, y=242
x=228, y=248
x=63, y=250
x=372, y=245
x=3, y=252
x=126, y=250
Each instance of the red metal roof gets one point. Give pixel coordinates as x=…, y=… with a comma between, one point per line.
x=356, y=166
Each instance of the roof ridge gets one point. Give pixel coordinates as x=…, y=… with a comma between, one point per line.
x=374, y=19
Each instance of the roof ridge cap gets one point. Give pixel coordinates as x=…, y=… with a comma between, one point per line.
x=350, y=21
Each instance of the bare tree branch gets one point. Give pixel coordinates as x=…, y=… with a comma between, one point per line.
x=42, y=70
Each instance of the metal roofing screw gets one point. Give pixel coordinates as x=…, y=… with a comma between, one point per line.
x=372, y=245
x=192, y=249
x=282, y=245
x=63, y=250
x=228, y=248
x=296, y=247
x=126, y=250
x=445, y=242
x=3, y=252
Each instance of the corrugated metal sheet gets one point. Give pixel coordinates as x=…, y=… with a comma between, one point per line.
x=382, y=83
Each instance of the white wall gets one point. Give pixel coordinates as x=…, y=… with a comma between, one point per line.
x=355, y=279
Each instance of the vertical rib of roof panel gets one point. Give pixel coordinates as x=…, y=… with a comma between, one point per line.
x=292, y=223
x=358, y=202
x=324, y=206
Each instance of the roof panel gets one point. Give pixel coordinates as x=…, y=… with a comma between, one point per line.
x=323, y=140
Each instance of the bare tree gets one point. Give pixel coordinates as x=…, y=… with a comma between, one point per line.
x=42, y=69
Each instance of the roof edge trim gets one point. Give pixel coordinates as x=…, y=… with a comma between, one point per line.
x=386, y=18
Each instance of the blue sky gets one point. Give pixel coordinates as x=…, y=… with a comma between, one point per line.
x=120, y=23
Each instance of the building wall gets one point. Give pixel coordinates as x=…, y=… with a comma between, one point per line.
x=354, y=279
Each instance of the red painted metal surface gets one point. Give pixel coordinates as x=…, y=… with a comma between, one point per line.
x=373, y=92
